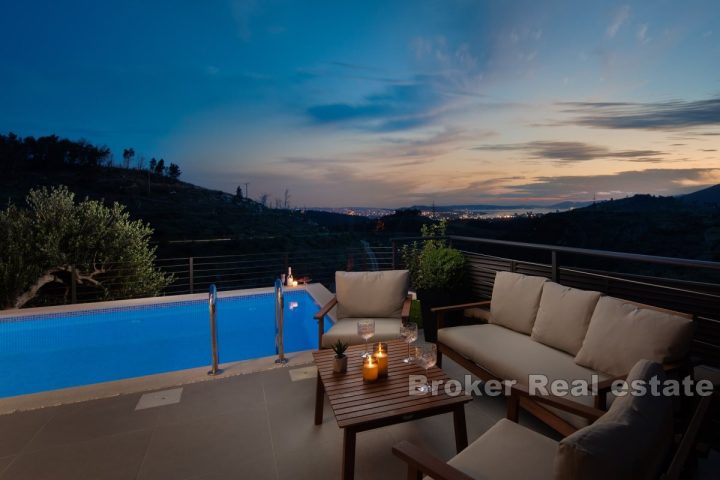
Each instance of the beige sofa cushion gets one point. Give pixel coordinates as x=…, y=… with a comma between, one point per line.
x=515, y=300
x=622, y=332
x=628, y=442
x=510, y=355
x=371, y=294
x=345, y=329
x=563, y=316
x=508, y=451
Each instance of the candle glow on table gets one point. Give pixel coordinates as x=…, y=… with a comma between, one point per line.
x=381, y=357
x=370, y=370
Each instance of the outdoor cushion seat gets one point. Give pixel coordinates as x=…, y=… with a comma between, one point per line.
x=346, y=330
x=540, y=327
x=628, y=442
x=508, y=451
x=381, y=296
x=512, y=355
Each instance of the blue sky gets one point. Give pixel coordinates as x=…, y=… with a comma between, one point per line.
x=381, y=103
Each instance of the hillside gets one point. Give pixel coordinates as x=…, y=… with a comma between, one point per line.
x=178, y=211
x=708, y=196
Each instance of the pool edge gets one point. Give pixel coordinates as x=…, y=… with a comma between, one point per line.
x=159, y=381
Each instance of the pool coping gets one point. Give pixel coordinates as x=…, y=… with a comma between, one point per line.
x=159, y=381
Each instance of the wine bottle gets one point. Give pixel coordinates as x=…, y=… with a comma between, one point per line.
x=289, y=277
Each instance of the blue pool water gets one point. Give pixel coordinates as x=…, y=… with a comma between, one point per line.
x=48, y=352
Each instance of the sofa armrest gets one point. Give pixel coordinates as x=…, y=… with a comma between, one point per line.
x=421, y=462
x=440, y=312
x=520, y=395
x=406, y=309
x=462, y=306
x=604, y=387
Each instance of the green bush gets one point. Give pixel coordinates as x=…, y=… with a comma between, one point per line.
x=432, y=263
x=441, y=268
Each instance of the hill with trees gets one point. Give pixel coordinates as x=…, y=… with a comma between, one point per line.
x=184, y=216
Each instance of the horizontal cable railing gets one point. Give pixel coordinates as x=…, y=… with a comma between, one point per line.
x=229, y=272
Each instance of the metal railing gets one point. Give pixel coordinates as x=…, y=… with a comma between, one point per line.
x=279, y=322
x=212, y=307
x=686, y=285
x=227, y=272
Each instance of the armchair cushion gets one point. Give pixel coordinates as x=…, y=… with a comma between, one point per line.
x=508, y=451
x=628, y=442
x=515, y=301
x=622, y=332
x=345, y=329
x=371, y=294
x=563, y=316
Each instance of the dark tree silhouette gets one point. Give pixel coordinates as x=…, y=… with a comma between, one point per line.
x=160, y=167
x=239, y=193
x=153, y=164
x=49, y=153
x=128, y=155
x=174, y=171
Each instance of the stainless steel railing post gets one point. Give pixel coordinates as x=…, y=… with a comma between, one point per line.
x=279, y=322
x=212, y=305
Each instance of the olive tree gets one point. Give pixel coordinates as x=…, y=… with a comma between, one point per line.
x=58, y=240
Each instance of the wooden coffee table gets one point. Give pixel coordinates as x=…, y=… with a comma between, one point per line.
x=360, y=406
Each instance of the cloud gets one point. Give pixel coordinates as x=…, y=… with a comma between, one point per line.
x=621, y=16
x=571, y=152
x=642, y=33
x=669, y=115
x=397, y=107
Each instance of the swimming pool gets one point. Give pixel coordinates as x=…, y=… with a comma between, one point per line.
x=60, y=350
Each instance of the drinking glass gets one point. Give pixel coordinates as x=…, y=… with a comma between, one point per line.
x=426, y=357
x=366, y=329
x=409, y=333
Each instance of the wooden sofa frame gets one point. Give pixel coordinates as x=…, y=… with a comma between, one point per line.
x=553, y=420
x=422, y=463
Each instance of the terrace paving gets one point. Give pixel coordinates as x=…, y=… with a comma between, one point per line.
x=257, y=426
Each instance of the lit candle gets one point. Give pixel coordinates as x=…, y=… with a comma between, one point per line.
x=370, y=370
x=295, y=284
x=381, y=357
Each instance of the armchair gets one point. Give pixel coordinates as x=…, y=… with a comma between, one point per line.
x=633, y=439
x=382, y=296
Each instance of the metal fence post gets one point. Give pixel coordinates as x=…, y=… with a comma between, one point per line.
x=394, y=255
x=191, y=275
x=73, y=284
x=555, y=267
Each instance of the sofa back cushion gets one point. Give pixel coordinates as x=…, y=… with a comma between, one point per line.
x=563, y=316
x=515, y=301
x=371, y=294
x=629, y=442
x=621, y=333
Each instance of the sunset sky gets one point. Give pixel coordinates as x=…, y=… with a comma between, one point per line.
x=385, y=104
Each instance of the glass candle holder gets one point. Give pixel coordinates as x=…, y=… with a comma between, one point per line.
x=380, y=353
x=370, y=369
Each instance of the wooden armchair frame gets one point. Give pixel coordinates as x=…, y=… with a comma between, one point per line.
x=320, y=315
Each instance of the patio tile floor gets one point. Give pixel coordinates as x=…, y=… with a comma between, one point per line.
x=255, y=426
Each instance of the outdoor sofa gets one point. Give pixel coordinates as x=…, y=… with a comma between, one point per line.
x=382, y=296
x=537, y=327
x=633, y=440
